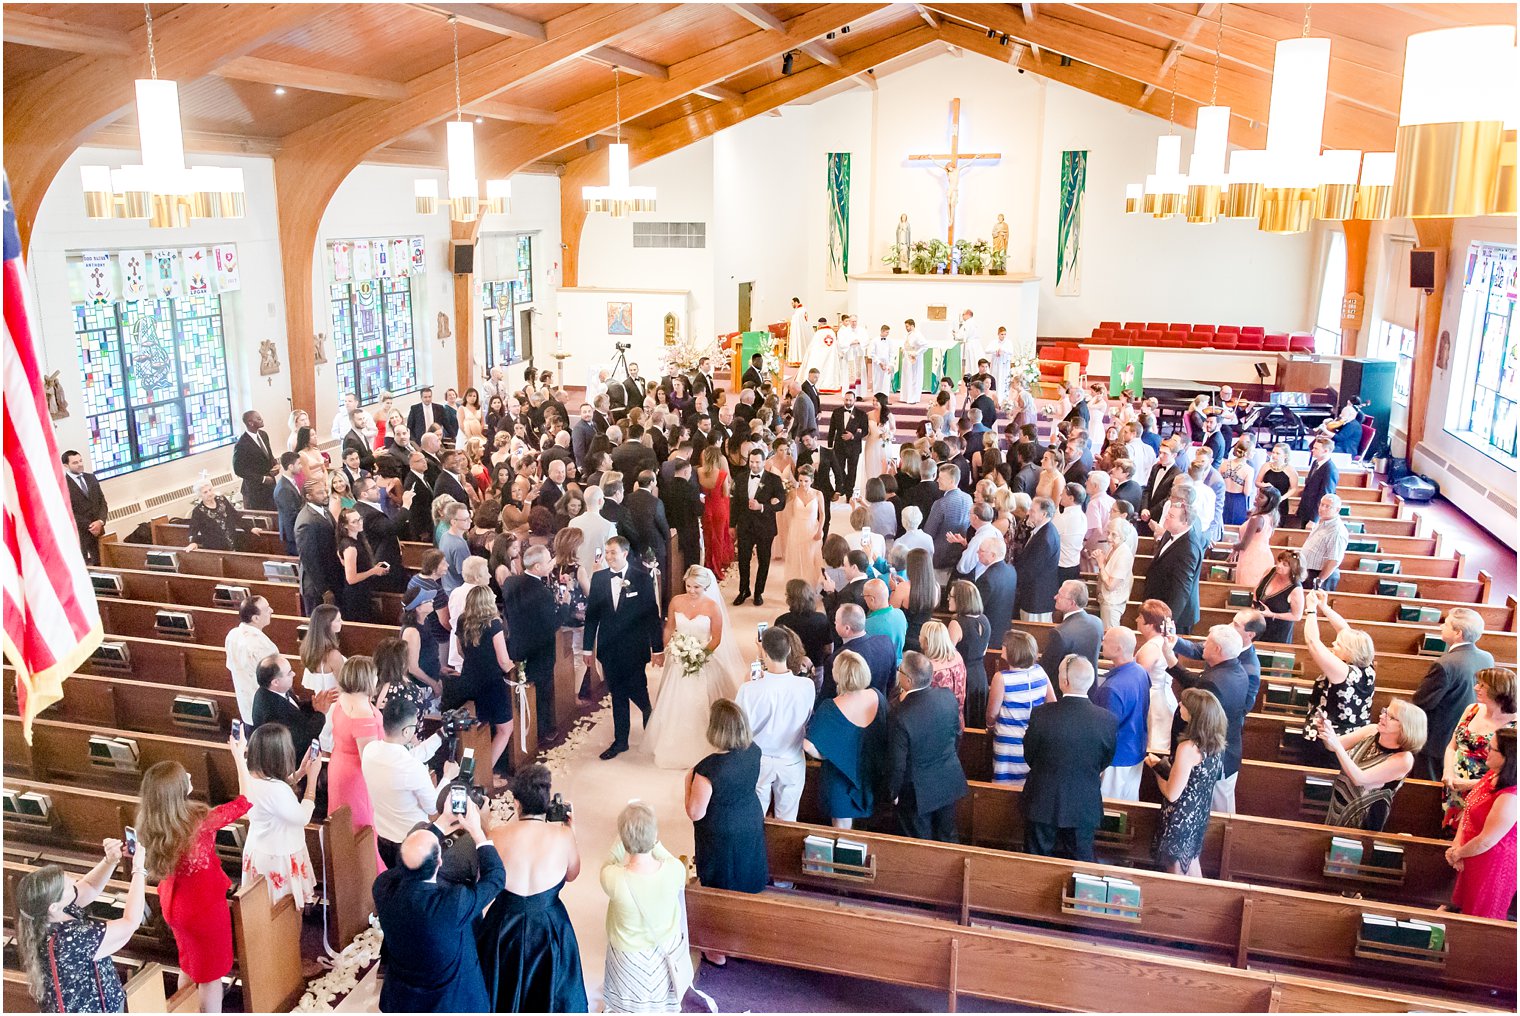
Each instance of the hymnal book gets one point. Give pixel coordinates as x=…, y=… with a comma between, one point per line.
x=1280, y=694
x=1420, y=615
x=105, y=584
x=1361, y=545
x=1239, y=598
x=34, y=805
x=1292, y=740
x=1115, y=822
x=1357, y=528
x=1432, y=645
x=1377, y=928
x=1405, y=590
x=113, y=752
x=1274, y=661
x=1090, y=889
x=106, y=907
x=850, y=852
x=1345, y=509
x=816, y=849
x=1414, y=934
x=1387, y=587
x=1345, y=851
x=1317, y=788
x=1219, y=573
x=1386, y=855
x=1122, y=890
x=1435, y=934
x=1390, y=567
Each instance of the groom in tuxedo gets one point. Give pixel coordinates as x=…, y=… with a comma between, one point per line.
x=757, y=497
x=623, y=623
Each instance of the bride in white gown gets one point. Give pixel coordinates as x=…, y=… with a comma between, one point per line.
x=677, y=732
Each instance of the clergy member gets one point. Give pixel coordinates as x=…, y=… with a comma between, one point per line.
x=970, y=341
x=798, y=334
x=1001, y=355
x=852, y=348
x=882, y=361
x=824, y=356
x=913, y=348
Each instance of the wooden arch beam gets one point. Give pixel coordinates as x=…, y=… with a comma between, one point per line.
x=509, y=152
x=313, y=162
x=50, y=115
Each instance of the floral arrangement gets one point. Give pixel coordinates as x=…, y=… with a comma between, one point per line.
x=1026, y=366
x=683, y=357
x=690, y=651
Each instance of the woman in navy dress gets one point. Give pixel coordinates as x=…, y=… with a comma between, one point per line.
x=724, y=808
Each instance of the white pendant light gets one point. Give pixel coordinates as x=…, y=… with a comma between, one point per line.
x=1374, y=189
x=1134, y=196
x=1165, y=188
x=619, y=197
x=162, y=189
x=1339, y=170
x=1295, y=128
x=1211, y=143
x=463, y=186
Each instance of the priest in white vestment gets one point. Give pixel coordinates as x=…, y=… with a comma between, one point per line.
x=852, y=348
x=970, y=341
x=799, y=334
x=882, y=361
x=824, y=356
x=1001, y=355
x=914, y=345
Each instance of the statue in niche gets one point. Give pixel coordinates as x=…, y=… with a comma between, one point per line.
x=904, y=241
x=672, y=326
x=319, y=349
x=52, y=389
x=443, y=326
x=269, y=358
x=1000, y=235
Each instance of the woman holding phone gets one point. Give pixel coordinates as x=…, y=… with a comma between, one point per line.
x=275, y=845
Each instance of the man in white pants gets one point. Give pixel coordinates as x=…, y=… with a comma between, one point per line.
x=778, y=705
x=1125, y=692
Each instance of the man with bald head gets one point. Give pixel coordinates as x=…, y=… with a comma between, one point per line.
x=432, y=965
x=876, y=650
x=884, y=619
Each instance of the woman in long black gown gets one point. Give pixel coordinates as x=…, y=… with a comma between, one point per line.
x=724, y=808
x=529, y=955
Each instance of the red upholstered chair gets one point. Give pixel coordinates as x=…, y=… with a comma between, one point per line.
x=1222, y=340
x=1205, y=332
x=1103, y=334
x=1249, y=342
x=1277, y=342
x=1253, y=330
x=1114, y=325
x=1301, y=342
x=1180, y=328
x=1369, y=434
x=1159, y=326
x=1151, y=337
x=1175, y=340
x=1135, y=326
x=1227, y=328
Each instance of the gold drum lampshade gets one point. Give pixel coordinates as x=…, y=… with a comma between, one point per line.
x=1447, y=170
x=1504, y=186
x=1286, y=209
x=1204, y=202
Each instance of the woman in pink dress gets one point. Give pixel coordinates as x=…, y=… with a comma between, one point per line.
x=1484, y=851
x=716, y=533
x=355, y=723
x=1253, y=554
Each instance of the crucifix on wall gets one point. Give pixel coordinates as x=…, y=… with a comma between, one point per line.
x=950, y=163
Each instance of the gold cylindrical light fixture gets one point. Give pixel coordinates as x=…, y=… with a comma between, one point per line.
x=1335, y=198
x=1205, y=181
x=1242, y=199
x=99, y=200
x=1457, y=85
x=1295, y=125
x=1134, y=195
x=1374, y=190
x=1166, y=188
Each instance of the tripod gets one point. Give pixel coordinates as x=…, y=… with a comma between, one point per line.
x=620, y=363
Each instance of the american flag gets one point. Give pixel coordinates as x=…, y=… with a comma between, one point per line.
x=52, y=623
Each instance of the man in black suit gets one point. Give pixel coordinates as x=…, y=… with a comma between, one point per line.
x=634, y=386
x=357, y=441
x=1126, y=487
x=89, y=504
x=702, y=381
x=553, y=487
x=647, y=519
x=273, y=702
x=1213, y=438
x=998, y=585
x=856, y=570
x=613, y=511
x=384, y=531
x=288, y=499
x=848, y=426
x=877, y=650
x=633, y=456
x=1078, y=632
x=1224, y=676
x=353, y=467
x=623, y=628
x=923, y=730
x=1076, y=452
x=532, y=629
x=426, y=413
x=253, y=463
x=977, y=393
x=1158, y=488
x=754, y=377
x=449, y=480
x=757, y=497
x=431, y=446
x=317, y=546
x=420, y=517
x=683, y=512
x=1173, y=575
x=1067, y=745
x=810, y=389
x=582, y=434
x=1321, y=479
x=1447, y=687
x=824, y=469
x=1038, y=564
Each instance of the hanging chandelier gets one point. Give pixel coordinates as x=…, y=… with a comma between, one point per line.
x=1211, y=141
x=162, y=189
x=464, y=201
x=1295, y=128
x=618, y=197
x=1166, y=188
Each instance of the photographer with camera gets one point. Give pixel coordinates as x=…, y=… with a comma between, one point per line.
x=529, y=956
x=401, y=789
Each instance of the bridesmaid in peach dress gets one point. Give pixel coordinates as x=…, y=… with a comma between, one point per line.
x=1253, y=551
x=784, y=465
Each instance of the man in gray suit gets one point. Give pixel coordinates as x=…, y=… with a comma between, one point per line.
x=804, y=413
x=1078, y=632
x=1447, y=688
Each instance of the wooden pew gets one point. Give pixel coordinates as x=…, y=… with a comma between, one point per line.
x=1357, y=607
x=60, y=753
x=1361, y=507
x=153, y=940
x=1412, y=565
x=120, y=703
x=187, y=664
x=137, y=617
x=1388, y=545
x=177, y=534
x=349, y=861
x=1229, y=920
x=996, y=964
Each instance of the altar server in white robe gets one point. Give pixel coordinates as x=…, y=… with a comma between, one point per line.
x=914, y=345
x=824, y=356
x=970, y=340
x=799, y=334
x=883, y=361
x=852, y=346
x=1001, y=355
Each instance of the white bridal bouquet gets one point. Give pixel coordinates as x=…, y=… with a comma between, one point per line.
x=690, y=651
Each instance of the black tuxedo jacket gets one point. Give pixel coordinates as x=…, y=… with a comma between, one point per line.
x=625, y=635
x=651, y=527
x=633, y=391
x=923, y=731
x=1156, y=496
x=252, y=460
x=752, y=379
x=1038, y=565
x=617, y=513
x=384, y=533
x=1132, y=492
x=303, y=722
x=988, y=408
x=288, y=503
x=317, y=545
x=549, y=494
x=999, y=586
x=1068, y=744
x=855, y=421
x=1319, y=481
x=532, y=624
x=631, y=458
x=811, y=391
x=89, y=505
x=824, y=468
x=434, y=468
x=447, y=484
x=757, y=525
x=683, y=511
x=600, y=419
x=1173, y=577
x=443, y=415
x=420, y=517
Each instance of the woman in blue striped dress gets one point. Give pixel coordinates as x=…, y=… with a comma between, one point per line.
x=1014, y=693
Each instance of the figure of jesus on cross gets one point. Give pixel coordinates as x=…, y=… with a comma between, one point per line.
x=951, y=164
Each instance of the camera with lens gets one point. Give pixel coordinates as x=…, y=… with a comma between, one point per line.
x=623, y=347
x=557, y=810
x=456, y=720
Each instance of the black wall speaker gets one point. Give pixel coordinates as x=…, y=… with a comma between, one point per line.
x=464, y=258
x=1422, y=268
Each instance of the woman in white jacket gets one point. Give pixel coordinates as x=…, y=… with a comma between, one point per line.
x=275, y=845
x=1116, y=570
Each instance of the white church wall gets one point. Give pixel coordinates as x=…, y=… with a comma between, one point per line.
x=534, y=210
x=249, y=316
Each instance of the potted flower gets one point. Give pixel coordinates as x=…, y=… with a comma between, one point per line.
x=998, y=263
x=921, y=258
x=890, y=259
x=939, y=256
x=970, y=256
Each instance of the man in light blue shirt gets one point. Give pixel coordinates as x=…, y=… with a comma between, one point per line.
x=1125, y=692
x=882, y=619
x=951, y=514
x=455, y=550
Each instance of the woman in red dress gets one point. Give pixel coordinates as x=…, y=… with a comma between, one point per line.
x=179, y=836
x=716, y=531
x=1484, y=851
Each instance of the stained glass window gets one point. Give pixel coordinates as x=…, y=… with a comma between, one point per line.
x=522, y=289
x=1487, y=353
x=500, y=324
x=154, y=379
x=374, y=337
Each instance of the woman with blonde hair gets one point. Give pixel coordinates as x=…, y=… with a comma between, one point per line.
x=179, y=836
x=949, y=669
x=724, y=808
x=355, y=723
x=1373, y=762
x=1345, y=683
x=681, y=710
x=1116, y=570
x=847, y=733
x=483, y=677
x=441, y=510
x=648, y=965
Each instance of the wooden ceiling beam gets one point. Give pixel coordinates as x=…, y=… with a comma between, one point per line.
x=493, y=19
x=26, y=29
x=721, y=93
x=969, y=38
x=502, y=155
x=823, y=54
x=48, y=115
x=310, y=79
x=495, y=109
x=1027, y=10
x=762, y=18
x=866, y=78
x=120, y=135
x=930, y=18
x=1174, y=51
x=628, y=62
